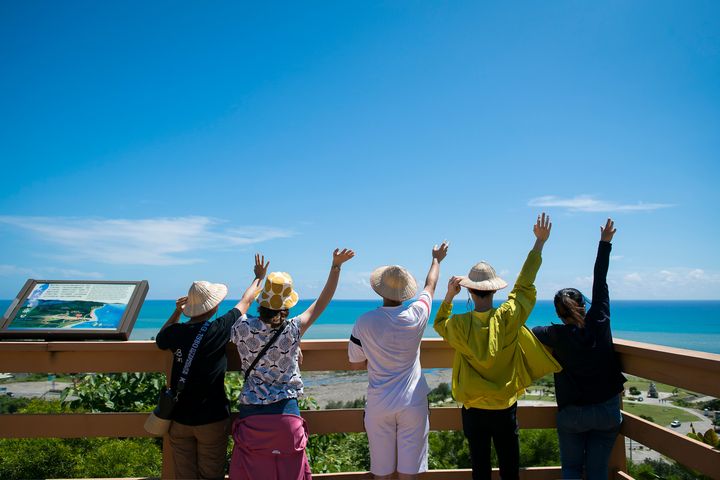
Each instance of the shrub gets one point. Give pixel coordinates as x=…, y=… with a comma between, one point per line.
x=10, y=404
x=116, y=392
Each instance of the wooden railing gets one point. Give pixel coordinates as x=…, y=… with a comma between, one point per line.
x=696, y=371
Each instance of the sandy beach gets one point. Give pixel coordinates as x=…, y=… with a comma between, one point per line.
x=326, y=386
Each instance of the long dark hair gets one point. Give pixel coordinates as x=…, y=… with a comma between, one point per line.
x=274, y=318
x=570, y=306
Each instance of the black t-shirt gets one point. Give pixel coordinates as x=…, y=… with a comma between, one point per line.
x=591, y=372
x=203, y=399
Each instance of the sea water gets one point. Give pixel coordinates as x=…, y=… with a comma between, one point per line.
x=693, y=325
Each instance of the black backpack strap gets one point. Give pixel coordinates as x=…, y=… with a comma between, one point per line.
x=265, y=349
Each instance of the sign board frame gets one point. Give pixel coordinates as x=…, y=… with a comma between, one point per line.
x=121, y=332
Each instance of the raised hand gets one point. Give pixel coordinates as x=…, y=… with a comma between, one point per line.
x=180, y=303
x=453, y=288
x=440, y=252
x=342, y=256
x=606, y=233
x=260, y=267
x=542, y=227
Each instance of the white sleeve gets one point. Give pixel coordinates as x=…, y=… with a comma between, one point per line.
x=355, y=349
x=421, y=307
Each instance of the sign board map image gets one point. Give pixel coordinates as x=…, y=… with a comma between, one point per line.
x=73, y=305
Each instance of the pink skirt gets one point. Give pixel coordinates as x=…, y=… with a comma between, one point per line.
x=270, y=447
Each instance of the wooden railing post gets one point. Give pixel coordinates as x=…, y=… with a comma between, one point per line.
x=618, y=458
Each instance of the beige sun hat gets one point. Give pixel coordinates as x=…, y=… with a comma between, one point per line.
x=278, y=292
x=393, y=282
x=482, y=277
x=204, y=296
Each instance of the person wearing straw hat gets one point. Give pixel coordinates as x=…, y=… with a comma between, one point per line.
x=198, y=431
x=269, y=433
x=496, y=357
x=386, y=341
x=589, y=388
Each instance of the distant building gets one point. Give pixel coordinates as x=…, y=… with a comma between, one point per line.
x=652, y=391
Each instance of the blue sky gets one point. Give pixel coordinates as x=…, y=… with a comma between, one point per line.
x=169, y=141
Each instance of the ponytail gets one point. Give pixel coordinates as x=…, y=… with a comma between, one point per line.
x=570, y=306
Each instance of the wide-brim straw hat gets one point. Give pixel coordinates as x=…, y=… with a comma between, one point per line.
x=393, y=282
x=156, y=425
x=482, y=277
x=204, y=296
x=278, y=292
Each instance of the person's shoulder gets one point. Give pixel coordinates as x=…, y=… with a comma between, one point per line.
x=369, y=316
x=167, y=337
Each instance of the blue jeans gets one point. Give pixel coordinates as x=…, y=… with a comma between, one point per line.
x=587, y=434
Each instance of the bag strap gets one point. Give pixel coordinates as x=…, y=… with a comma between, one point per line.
x=265, y=349
x=191, y=354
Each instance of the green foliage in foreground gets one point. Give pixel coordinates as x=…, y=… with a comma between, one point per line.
x=79, y=458
x=347, y=452
x=659, y=469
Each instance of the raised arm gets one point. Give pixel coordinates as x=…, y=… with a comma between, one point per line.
x=443, y=315
x=541, y=229
x=175, y=316
x=260, y=270
x=521, y=300
x=600, y=308
x=438, y=254
x=318, y=306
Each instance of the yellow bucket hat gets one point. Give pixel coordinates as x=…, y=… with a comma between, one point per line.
x=278, y=293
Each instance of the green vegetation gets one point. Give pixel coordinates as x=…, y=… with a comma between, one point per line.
x=102, y=457
x=708, y=438
x=440, y=394
x=643, y=385
x=337, y=404
x=662, y=415
x=12, y=404
x=659, y=469
x=116, y=392
x=77, y=457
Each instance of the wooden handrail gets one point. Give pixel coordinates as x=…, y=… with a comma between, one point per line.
x=697, y=371
x=684, y=449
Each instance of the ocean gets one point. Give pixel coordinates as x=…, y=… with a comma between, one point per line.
x=694, y=325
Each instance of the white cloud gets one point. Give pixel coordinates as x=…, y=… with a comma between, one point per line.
x=47, y=273
x=587, y=203
x=150, y=241
x=633, y=278
x=670, y=283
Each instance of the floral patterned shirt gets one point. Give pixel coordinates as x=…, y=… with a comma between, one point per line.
x=277, y=375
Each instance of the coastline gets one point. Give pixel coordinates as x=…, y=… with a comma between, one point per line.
x=330, y=385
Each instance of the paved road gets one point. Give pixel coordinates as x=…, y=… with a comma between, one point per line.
x=36, y=389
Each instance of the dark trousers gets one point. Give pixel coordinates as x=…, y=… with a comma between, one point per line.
x=480, y=426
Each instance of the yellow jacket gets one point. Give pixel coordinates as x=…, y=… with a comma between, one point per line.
x=496, y=356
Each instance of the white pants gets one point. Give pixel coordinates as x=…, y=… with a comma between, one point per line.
x=398, y=440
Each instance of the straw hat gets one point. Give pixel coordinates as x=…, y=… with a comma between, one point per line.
x=278, y=293
x=482, y=277
x=204, y=296
x=393, y=282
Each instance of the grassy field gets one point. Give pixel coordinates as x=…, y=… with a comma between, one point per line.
x=643, y=384
x=662, y=415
